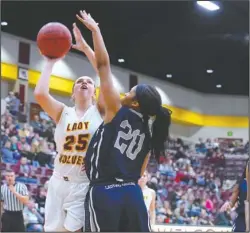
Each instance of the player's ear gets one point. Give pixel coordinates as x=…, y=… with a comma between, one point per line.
x=135, y=104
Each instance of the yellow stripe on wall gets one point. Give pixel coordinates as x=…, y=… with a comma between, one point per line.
x=64, y=86
x=57, y=84
x=188, y=117
x=182, y=116
x=9, y=71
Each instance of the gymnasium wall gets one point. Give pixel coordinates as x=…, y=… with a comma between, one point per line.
x=194, y=113
x=4, y=88
x=196, y=132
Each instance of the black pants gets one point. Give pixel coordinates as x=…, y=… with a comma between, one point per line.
x=12, y=221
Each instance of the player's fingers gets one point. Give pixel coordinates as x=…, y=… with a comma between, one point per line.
x=83, y=14
x=79, y=18
x=76, y=30
x=74, y=46
x=75, y=26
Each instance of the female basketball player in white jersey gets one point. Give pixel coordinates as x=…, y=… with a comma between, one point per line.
x=149, y=197
x=64, y=209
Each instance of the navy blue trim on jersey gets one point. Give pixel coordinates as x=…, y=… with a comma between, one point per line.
x=239, y=224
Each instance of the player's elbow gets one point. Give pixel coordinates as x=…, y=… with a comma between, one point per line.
x=40, y=96
x=103, y=62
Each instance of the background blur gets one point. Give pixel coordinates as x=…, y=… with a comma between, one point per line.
x=196, y=57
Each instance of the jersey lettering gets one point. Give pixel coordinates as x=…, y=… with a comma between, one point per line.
x=77, y=126
x=77, y=143
x=69, y=159
x=134, y=147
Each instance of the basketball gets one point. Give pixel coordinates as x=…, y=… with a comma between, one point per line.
x=54, y=40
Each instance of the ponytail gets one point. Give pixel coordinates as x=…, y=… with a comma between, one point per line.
x=160, y=132
x=150, y=103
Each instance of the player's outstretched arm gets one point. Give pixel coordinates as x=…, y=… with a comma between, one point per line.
x=47, y=102
x=82, y=46
x=110, y=94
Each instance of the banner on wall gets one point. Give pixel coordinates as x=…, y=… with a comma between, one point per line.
x=23, y=74
x=176, y=228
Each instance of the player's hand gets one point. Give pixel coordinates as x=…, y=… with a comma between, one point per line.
x=226, y=206
x=87, y=20
x=12, y=188
x=83, y=168
x=52, y=61
x=80, y=44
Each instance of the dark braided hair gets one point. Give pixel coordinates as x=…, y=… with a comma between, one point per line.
x=150, y=104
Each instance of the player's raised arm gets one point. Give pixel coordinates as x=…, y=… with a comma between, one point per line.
x=82, y=46
x=110, y=94
x=47, y=102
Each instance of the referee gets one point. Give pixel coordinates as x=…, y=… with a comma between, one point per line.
x=13, y=197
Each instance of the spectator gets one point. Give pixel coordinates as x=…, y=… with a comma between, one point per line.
x=24, y=132
x=204, y=219
x=180, y=154
x=40, y=200
x=23, y=167
x=166, y=168
x=36, y=124
x=22, y=145
x=32, y=218
x=181, y=214
x=200, y=180
x=24, y=171
x=7, y=154
x=168, y=212
x=14, y=105
x=9, y=99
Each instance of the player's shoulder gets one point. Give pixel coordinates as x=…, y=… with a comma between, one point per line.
x=129, y=112
x=152, y=191
x=67, y=110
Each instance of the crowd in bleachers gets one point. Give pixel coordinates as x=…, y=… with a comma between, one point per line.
x=190, y=182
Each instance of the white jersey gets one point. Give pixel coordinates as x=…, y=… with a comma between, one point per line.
x=148, y=196
x=72, y=137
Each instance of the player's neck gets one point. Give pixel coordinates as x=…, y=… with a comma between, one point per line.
x=82, y=106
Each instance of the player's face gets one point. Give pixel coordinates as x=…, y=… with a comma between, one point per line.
x=129, y=98
x=143, y=180
x=84, y=88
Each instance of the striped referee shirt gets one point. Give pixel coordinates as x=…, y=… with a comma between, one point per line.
x=10, y=201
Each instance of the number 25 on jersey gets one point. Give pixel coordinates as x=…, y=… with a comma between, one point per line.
x=78, y=143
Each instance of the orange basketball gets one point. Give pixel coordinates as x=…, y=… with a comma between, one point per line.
x=54, y=40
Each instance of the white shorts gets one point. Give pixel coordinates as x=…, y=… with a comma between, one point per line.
x=64, y=207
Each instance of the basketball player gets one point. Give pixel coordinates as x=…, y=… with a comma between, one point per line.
x=118, y=152
x=240, y=196
x=149, y=197
x=75, y=126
